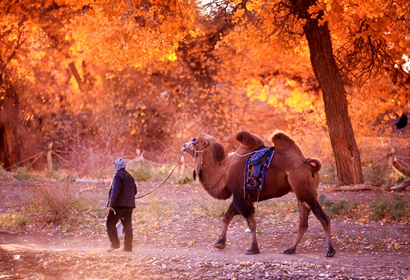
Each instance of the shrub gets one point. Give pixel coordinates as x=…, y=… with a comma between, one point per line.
x=337, y=208
x=13, y=221
x=385, y=206
x=185, y=180
x=61, y=175
x=4, y=175
x=142, y=172
x=22, y=174
x=50, y=205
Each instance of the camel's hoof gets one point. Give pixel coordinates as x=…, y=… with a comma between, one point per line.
x=252, y=251
x=289, y=251
x=220, y=245
x=331, y=253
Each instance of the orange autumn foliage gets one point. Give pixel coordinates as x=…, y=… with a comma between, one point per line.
x=113, y=77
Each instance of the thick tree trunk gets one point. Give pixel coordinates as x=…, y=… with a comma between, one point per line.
x=9, y=106
x=346, y=152
x=9, y=151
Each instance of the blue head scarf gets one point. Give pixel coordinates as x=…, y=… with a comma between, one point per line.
x=119, y=163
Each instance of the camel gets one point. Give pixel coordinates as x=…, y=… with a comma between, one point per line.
x=222, y=176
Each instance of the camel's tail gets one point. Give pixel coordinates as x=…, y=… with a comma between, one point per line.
x=314, y=164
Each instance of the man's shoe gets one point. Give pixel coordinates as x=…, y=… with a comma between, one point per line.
x=127, y=250
x=112, y=249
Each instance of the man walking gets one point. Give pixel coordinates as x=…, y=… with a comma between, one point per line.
x=121, y=203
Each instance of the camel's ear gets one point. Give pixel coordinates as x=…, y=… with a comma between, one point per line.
x=206, y=143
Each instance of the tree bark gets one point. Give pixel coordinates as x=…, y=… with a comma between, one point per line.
x=345, y=150
x=9, y=108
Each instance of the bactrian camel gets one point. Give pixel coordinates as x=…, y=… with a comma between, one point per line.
x=222, y=176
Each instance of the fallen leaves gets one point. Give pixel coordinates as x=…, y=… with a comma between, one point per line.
x=175, y=241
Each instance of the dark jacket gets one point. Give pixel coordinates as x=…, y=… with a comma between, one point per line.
x=123, y=190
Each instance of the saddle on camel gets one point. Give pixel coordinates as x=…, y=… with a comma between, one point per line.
x=256, y=173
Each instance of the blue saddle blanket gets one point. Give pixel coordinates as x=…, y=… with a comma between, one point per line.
x=255, y=169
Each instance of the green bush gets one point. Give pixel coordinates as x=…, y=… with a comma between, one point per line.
x=50, y=205
x=142, y=172
x=185, y=180
x=385, y=206
x=337, y=208
x=145, y=171
x=13, y=221
x=22, y=174
x=4, y=175
x=61, y=175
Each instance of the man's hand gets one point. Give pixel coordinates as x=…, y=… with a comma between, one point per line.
x=111, y=209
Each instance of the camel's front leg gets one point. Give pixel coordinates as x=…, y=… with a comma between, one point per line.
x=252, y=226
x=246, y=209
x=230, y=213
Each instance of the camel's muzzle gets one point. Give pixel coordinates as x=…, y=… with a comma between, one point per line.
x=188, y=148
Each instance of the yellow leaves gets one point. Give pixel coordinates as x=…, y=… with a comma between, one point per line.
x=290, y=97
x=339, y=12
x=139, y=36
x=172, y=56
x=12, y=37
x=196, y=32
x=40, y=54
x=238, y=15
x=254, y=6
x=315, y=9
x=298, y=101
x=253, y=88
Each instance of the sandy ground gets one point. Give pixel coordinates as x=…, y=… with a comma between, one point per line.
x=176, y=241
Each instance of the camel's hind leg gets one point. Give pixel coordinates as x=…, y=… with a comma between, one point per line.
x=304, y=212
x=325, y=221
x=228, y=216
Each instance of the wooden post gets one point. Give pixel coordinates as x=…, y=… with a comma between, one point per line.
x=49, y=159
x=182, y=166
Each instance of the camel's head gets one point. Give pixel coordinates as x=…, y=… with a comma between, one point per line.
x=198, y=144
x=188, y=147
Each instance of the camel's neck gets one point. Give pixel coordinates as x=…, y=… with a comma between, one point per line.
x=212, y=176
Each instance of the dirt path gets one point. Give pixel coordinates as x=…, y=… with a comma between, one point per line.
x=178, y=244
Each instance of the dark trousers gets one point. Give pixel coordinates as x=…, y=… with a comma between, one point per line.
x=124, y=214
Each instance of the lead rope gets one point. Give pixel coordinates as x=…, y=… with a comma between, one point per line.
x=138, y=197
x=257, y=201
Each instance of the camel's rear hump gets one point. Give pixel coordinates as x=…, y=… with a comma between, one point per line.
x=283, y=142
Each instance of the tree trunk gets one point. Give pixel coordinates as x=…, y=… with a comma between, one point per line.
x=9, y=107
x=345, y=150
x=9, y=151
